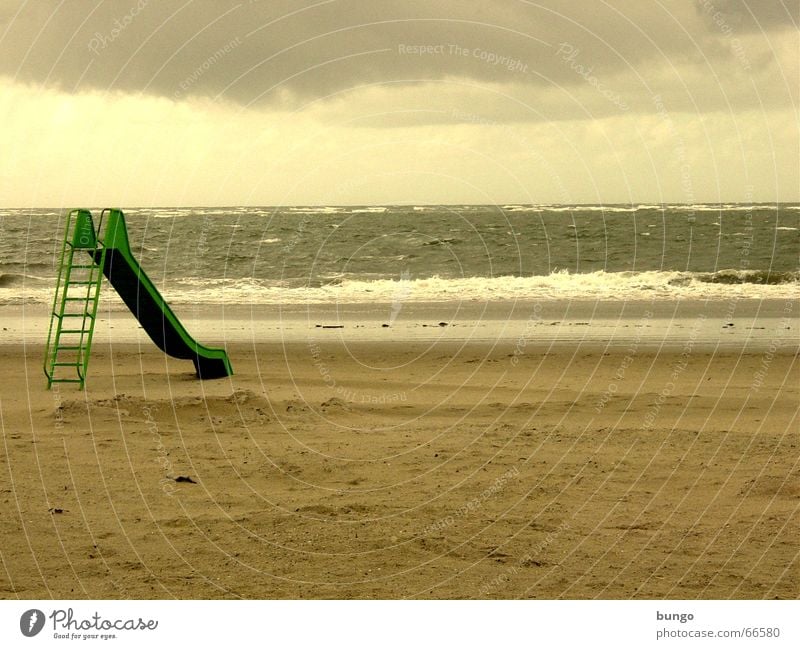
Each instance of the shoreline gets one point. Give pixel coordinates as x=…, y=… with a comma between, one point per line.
x=747, y=324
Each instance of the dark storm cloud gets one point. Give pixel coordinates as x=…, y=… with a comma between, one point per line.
x=751, y=15
x=279, y=50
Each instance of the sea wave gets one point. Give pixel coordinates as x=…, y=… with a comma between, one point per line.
x=560, y=285
x=731, y=276
x=324, y=209
x=20, y=280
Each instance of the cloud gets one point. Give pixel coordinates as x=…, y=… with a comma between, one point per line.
x=62, y=149
x=750, y=15
x=375, y=101
x=286, y=53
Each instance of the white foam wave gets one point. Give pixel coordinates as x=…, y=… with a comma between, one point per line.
x=574, y=208
x=326, y=209
x=170, y=214
x=722, y=207
x=217, y=212
x=560, y=285
x=369, y=210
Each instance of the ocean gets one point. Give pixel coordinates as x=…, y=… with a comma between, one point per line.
x=478, y=253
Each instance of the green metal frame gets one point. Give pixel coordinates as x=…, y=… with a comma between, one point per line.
x=84, y=238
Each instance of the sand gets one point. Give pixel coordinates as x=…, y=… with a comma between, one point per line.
x=331, y=468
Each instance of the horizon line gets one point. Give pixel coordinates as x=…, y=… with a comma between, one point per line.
x=459, y=204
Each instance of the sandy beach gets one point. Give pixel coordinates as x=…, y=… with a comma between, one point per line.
x=442, y=466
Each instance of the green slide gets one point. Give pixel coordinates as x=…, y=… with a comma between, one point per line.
x=146, y=303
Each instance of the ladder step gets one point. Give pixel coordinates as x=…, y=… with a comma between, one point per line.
x=75, y=299
x=84, y=266
x=75, y=364
x=69, y=348
x=80, y=282
x=74, y=331
x=73, y=315
x=66, y=381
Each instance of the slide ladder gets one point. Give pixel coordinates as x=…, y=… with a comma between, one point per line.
x=69, y=339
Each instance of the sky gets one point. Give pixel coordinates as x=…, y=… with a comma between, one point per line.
x=341, y=102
